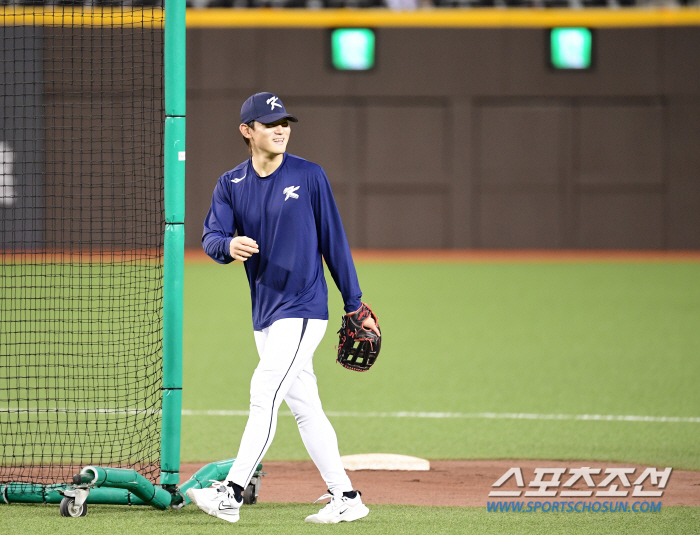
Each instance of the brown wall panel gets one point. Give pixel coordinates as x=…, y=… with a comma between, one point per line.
x=460, y=174
x=680, y=64
x=521, y=144
x=404, y=144
x=423, y=62
x=621, y=144
x=626, y=64
x=295, y=63
x=466, y=137
x=621, y=220
x=223, y=59
x=520, y=219
x=684, y=215
x=414, y=220
x=684, y=174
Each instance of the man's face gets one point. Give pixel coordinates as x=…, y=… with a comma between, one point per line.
x=269, y=138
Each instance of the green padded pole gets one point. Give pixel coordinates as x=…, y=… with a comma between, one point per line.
x=172, y=354
x=174, y=165
x=175, y=58
x=174, y=241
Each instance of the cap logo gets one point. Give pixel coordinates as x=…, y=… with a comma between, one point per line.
x=272, y=101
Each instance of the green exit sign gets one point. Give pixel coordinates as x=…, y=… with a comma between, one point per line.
x=352, y=49
x=571, y=48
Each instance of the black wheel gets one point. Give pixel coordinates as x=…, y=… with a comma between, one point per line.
x=249, y=497
x=68, y=508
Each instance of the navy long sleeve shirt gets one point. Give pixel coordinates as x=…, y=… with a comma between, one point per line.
x=293, y=217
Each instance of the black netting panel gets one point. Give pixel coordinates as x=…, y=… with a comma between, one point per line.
x=81, y=230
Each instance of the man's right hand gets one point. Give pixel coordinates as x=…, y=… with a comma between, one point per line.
x=243, y=247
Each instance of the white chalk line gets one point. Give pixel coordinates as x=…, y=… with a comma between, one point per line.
x=401, y=414
x=470, y=416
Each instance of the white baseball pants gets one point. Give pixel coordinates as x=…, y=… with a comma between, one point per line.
x=285, y=372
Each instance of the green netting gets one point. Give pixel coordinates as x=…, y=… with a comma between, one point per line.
x=81, y=224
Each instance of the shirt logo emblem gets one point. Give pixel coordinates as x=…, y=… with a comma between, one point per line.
x=272, y=101
x=289, y=192
x=237, y=180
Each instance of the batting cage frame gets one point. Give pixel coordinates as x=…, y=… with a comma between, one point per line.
x=117, y=484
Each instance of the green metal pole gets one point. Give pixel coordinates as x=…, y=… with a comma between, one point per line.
x=174, y=250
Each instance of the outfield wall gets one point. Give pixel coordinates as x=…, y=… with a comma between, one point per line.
x=462, y=137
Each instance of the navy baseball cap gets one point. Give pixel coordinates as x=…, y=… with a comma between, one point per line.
x=265, y=108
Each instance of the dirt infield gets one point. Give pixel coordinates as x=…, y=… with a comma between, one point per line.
x=456, y=483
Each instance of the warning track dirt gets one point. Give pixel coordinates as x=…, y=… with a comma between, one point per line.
x=454, y=483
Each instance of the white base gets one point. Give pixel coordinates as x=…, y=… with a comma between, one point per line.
x=384, y=461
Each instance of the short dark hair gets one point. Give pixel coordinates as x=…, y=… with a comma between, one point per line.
x=249, y=124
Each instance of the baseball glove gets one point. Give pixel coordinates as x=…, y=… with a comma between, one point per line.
x=358, y=348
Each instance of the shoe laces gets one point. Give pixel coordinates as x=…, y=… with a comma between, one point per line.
x=221, y=486
x=334, y=503
x=324, y=497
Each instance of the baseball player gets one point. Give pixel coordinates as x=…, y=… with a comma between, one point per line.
x=276, y=213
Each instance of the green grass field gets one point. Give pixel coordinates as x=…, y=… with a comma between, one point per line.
x=598, y=339
x=615, y=339
x=288, y=519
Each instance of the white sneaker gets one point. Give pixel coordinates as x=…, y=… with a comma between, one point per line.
x=217, y=500
x=339, y=509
